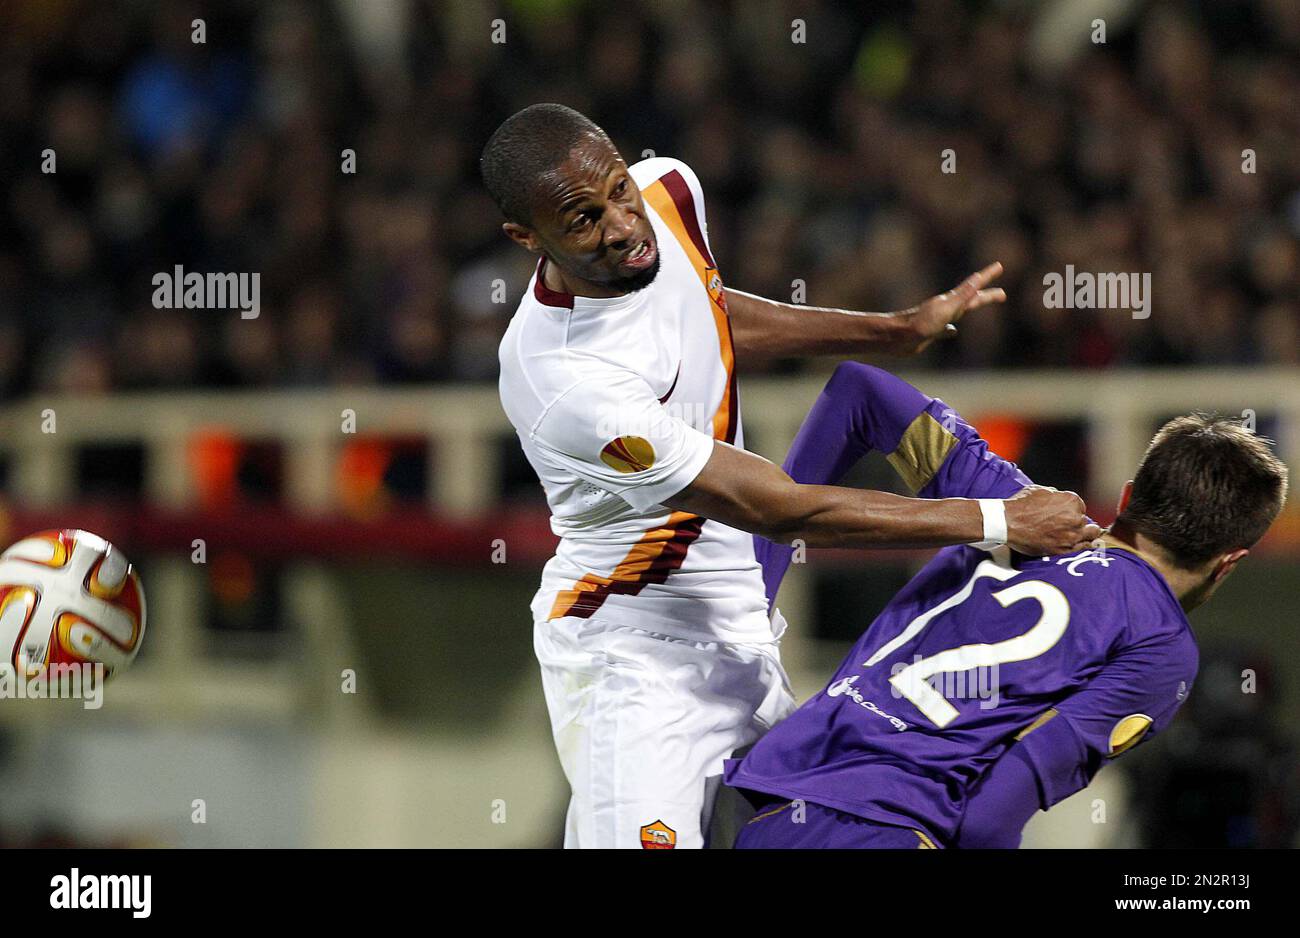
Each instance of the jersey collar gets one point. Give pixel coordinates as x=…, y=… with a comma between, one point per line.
x=559, y=300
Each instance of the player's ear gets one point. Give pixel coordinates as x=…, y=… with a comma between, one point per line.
x=1227, y=563
x=1124, y=495
x=522, y=235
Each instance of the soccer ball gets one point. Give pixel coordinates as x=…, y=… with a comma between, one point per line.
x=68, y=597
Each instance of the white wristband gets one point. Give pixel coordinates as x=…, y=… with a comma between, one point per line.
x=994, y=511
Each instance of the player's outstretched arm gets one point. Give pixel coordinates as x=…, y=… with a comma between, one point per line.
x=862, y=409
x=610, y=430
x=750, y=493
x=762, y=327
x=935, y=451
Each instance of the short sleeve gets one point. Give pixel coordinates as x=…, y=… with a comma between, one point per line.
x=611, y=431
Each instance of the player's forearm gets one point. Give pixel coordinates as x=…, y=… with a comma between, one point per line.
x=749, y=493
x=1000, y=804
x=832, y=516
x=762, y=327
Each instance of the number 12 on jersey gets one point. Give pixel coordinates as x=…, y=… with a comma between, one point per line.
x=913, y=681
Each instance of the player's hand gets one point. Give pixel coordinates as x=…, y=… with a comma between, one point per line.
x=1042, y=521
x=938, y=315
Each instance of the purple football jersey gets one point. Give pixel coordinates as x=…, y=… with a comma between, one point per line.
x=980, y=648
x=967, y=656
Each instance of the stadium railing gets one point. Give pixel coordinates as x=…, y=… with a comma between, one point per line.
x=462, y=429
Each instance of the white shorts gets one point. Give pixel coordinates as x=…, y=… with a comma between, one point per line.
x=643, y=721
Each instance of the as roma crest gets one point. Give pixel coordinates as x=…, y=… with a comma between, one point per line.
x=713, y=283
x=658, y=836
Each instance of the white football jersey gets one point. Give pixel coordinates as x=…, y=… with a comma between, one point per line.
x=617, y=403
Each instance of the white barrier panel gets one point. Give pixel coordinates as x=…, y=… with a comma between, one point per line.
x=462, y=423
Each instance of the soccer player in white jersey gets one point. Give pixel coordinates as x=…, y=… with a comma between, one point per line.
x=618, y=372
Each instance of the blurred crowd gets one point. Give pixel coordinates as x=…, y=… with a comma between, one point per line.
x=821, y=162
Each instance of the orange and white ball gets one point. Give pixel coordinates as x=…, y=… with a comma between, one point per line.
x=68, y=597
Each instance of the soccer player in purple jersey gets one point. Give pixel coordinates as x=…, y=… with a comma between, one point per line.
x=996, y=684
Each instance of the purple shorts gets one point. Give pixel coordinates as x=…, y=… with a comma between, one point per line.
x=802, y=825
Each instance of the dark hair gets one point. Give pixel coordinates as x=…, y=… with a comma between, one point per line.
x=528, y=145
x=1206, y=486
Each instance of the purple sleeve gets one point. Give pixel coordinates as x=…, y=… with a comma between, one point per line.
x=1000, y=805
x=971, y=469
x=1134, y=696
x=863, y=408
